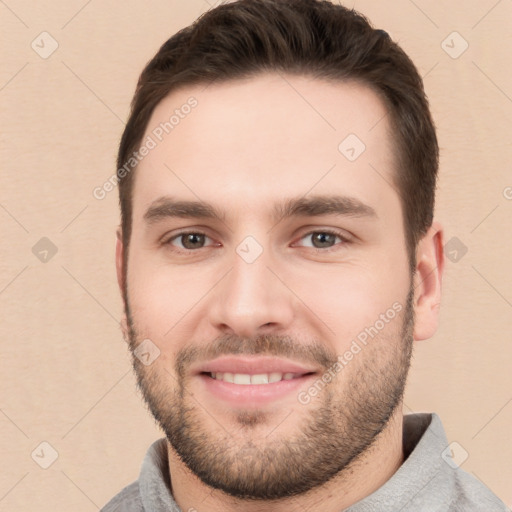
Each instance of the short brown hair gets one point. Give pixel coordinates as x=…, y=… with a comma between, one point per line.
x=308, y=37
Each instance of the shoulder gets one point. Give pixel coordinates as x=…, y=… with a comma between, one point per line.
x=473, y=496
x=128, y=500
x=458, y=490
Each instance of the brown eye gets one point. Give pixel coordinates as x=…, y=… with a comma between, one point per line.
x=190, y=241
x=321, y=240
x=193, y=241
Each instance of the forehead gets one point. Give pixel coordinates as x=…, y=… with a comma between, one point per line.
x=257, y=140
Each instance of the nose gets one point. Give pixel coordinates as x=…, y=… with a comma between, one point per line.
x=251, y=300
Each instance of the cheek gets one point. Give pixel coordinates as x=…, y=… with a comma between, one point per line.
x=351, y=298
x=157, y=297
x=163, y=298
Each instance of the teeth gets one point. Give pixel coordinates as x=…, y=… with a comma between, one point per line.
x=275, y=377
x=259, y=379
x=245, y=378
x=241, y=378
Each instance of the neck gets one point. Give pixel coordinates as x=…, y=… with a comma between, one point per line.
x=360, y=479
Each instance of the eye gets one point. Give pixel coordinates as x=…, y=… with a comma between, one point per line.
x=321, y=239
x=190, y=241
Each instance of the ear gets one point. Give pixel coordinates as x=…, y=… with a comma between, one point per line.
x=121, y=280
x=427, y=282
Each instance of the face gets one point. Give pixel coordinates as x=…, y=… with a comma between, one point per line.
x=268, y=286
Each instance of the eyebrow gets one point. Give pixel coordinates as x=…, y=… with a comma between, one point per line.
x=323, y=205
x=167, y=207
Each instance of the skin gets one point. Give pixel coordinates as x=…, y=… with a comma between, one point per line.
x=250, y=145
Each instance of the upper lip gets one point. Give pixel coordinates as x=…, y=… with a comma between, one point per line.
x=253, y=365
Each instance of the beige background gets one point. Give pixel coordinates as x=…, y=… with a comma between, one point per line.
x=64, y=368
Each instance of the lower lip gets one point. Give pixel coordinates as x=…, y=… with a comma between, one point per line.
x=254, y=394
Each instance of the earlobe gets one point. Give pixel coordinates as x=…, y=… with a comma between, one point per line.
x=427, y=282
x=121, y=280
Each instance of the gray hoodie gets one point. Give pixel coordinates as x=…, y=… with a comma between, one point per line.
x=429, y=480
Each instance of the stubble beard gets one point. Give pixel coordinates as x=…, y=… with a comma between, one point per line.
x=329, y=435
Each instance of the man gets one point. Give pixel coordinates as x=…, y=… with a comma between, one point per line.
x=277, y=257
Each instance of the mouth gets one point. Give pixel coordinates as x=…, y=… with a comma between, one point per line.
x=253, y=382
x=246, y=379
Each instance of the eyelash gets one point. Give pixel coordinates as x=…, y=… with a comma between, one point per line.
x=344, y=240
x=169, y=241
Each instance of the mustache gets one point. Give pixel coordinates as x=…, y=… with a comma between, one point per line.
x=313, y=352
